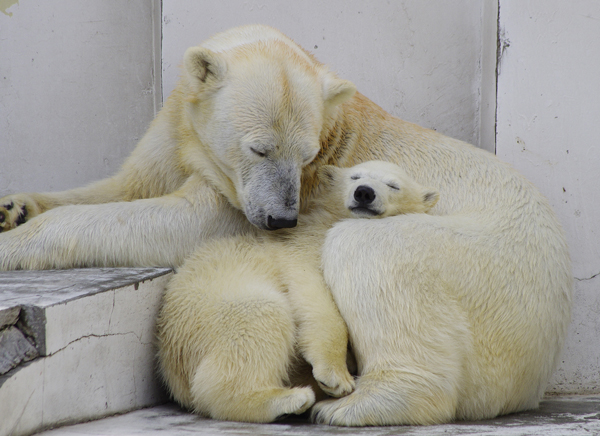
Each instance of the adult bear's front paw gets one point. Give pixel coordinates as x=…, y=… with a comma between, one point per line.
x=16, y=210
x=332, y=412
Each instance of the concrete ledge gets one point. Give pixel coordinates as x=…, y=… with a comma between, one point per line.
x=556, y=416
x=93, y=330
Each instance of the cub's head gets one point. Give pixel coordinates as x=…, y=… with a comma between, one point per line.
x=373, y=189
x=255, y=106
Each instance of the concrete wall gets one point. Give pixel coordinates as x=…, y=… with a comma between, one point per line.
x=423, y=62
x=435, y=64
x=548, y=108
x=79, y=83
x=77, y=89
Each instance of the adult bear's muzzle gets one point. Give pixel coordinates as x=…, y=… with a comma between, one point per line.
x=280, y=223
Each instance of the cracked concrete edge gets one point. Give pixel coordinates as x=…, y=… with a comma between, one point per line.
x=33, y=358
x=5, y=377
x=24, y=341
x=9, y=316
x=152, y=392
x=32, y=322
x=31, y=325
x=22, y=338
x=30, y=317
x=14, y=349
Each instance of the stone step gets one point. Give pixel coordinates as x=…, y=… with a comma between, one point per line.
x=579, y=415
x=77, y=345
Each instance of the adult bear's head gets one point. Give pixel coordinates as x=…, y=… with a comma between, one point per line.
x=258, y=105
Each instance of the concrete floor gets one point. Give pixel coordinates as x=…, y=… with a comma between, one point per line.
x=578, y=415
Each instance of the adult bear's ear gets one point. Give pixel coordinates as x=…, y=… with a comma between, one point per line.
x=430, y=198
x=337, y=91
x=204, y=67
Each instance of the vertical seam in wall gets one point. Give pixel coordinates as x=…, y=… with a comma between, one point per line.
x=160, y=59
x=487, y=73
x=157, y=54
x=498, y=58
x=480, y=72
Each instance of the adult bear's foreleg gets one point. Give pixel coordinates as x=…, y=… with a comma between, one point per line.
x=152, y=170
x=152, y=232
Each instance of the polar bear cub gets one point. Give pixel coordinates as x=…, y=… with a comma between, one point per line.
x=241, y=309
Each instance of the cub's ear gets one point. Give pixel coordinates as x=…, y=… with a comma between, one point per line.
x=203, y=66
x=430, y=198
x=327, y=175
x=337, y=91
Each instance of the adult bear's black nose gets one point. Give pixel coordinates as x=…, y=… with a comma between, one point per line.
x=280, y=223
x=364, y=194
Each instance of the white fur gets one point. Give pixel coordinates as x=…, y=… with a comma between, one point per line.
x=238, y=309
x=457, y=314
x=462, y=313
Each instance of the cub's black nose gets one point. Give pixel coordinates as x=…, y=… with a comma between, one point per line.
x=364, y=194
x=280, y=223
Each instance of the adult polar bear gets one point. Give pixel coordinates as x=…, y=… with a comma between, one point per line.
x=458, y=314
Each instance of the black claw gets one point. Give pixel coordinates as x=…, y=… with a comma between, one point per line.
x=21, y=218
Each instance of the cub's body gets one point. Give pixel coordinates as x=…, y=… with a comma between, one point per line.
x=239, y=310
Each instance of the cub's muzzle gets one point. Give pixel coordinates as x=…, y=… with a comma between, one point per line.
x=364, y=195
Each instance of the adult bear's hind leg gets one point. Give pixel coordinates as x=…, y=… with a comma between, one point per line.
x=390, y=397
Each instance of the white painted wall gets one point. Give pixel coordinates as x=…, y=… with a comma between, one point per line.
x=434, y=63
x=419, y=61
x=548, y=109
x=79, y=81
x=77, y=89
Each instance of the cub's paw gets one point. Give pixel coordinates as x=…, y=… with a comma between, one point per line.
x=16, y=210
x=334, y=381
x=295, y=401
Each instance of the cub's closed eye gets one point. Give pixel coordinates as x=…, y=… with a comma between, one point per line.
x=394, y=187
x=355, y=177
x=256, y=152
